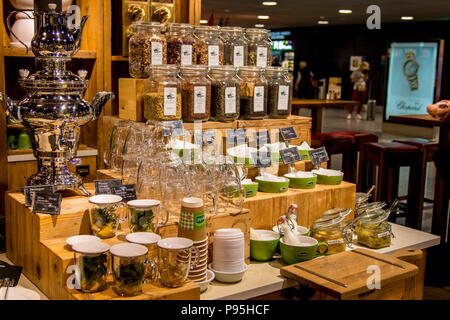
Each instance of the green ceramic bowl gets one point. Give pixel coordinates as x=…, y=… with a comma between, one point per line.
x=304, y=154
x=302, y=183
x=251, y=190
x=272, y=186
x=263, y=250
x=329, y=180
x=309, y=249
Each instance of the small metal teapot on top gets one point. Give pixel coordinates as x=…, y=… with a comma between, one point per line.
x=55, y=35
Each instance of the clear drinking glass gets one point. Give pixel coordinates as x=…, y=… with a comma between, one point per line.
x=176, y=256
x=106, y=212
x=144, y=215
x=150, y=241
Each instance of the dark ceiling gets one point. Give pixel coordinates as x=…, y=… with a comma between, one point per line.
x=297, y=13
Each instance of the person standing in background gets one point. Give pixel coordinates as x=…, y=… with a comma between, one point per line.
x=305, y=81
x=359, y=79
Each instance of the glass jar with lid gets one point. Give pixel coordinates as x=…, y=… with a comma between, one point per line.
x=209, y=46
x=372, y=230
x=225, y=93
x=195, y=93
x=235, y=46
x=253, y=93
x=259, y=47
x=331, y=229
x=181, y=44
x=279, y=101
x=147, y=47
x=162, y=94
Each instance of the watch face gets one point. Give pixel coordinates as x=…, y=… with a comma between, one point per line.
x=411, y=68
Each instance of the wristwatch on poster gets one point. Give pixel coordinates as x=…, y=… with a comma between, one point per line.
x=410, y=69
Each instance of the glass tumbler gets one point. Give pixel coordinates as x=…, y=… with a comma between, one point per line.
x=175, y=259
x=105, y=212
x=92, y=260
x=128, y=262
x=144, y=215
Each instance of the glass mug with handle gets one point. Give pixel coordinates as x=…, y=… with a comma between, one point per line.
x=175, y=260
x=105, y=211
x=144, y=215
x=129, y=265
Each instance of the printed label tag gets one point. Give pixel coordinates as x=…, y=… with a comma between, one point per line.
x=384, y=234
x=230, y=100
x=199, y=99
x=338, y=241
x=170, y=101
x=258, y=99
x=238, y=58
x=186, y=55
x=290, y=155
x=157, y=53
x=261, y=58
x=283, y=97
x=319, y=156
x=213, y=55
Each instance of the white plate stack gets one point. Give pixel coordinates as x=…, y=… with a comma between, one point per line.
x=199, y=273
x=228, y=251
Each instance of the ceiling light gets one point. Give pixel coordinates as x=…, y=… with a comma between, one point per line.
x=269, y=3
x=263, y=17
x=203, y=21
x=407, y=18
x=259, y=25
x=322, y=22
x=345, y=11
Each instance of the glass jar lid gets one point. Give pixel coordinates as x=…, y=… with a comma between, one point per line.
x=256, y=31
x=232, y=30
x=331, y=218
x=177, y=27
x=251, y=70
x=91, y=247
x=145, y=25
x=222, y=69
x=275, y=71
x=128, y=250
x=375, y=216
x=372, y=206
x=193, y=69
x=164, y=68
x=212, y=29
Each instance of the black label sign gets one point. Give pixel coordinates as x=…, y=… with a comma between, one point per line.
x=83, y=170
x=11, y=272
x=262, y=138
x=29, y=191
x=288, y=133
x=46, y=202
x=290, y=156
x=262, y=159
x=237, y=137
x=319, y=156
x=104, y=186
x=178, y=129
x=126, y=191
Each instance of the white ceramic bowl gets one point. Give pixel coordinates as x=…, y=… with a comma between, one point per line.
x=81, y=238
x=204, y=284
x=229, y=277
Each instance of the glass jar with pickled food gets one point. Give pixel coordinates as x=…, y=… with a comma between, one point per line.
x=235, y=46
x=195, y=93
x=259, y=47
x=331, y=229
x=253, y=93
x=279, y=101
x=209, y=46
x=225, y=93
x=92, y=260
x=147, y=47
x=181, y=44
x=373, y=230
x=162, y=94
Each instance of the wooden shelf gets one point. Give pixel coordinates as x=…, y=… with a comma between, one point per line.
x=19, y=52
x=19, y=152
x=119, y=58
x=15, y=127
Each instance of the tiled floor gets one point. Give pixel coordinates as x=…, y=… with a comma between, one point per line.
x=334, y=120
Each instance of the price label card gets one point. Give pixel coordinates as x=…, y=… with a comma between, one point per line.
x=178, y=129
x=288, y=133
x=46, y=202
x=29, y=191
x=126, y=191
x=104, y=186
x=237, y=137
x=290, y=156
x=319, y=156
x=262, y=159
x=262, y=138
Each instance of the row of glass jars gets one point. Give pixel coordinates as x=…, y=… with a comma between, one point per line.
x=184, y=44
x=221, y=93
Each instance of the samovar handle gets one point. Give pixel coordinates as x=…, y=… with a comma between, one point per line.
x=13, y=13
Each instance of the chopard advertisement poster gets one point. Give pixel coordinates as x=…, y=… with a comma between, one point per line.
x=412, y=74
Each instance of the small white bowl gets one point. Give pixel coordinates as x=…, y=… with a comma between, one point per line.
x=228, y=277
x=204, y=284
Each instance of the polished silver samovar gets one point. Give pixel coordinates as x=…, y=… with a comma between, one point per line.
x=54, y=109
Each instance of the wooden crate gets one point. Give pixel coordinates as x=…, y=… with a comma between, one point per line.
x=131, y=104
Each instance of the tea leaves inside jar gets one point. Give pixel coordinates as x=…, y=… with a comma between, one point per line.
x=141, y=220
x=155, y=109
x=93, y=272
x=130, y=275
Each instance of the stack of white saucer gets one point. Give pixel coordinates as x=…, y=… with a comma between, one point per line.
x=228, y=251
x=199, y=273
